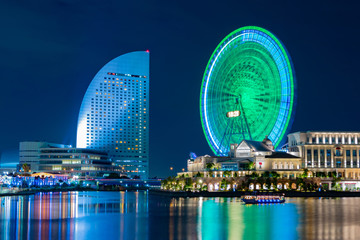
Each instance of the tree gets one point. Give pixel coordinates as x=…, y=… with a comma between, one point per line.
x=274, y=175
x=268, y=183
x=164, y=183
x=261, y=181
x=305, y=173
x=223, y=184
x=210, y=166
x=266, y=174
x=250, y=167
x=188, y=184
x=26, y=167
x=245, y=185
x=226, y=173
x=300, y=183
x=254, y=175
x=335, y=183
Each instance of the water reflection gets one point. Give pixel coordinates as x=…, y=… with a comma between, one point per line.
x=229, y=219
x=329, y=218
x=73, y=215
x=140, y=215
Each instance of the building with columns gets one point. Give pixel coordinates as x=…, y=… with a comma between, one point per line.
x=261, y=155
x=324, y=154
x=328, y=151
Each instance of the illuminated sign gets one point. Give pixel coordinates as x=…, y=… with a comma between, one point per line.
x=233, y=114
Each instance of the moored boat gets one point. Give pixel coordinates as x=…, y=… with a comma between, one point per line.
x=263, y=199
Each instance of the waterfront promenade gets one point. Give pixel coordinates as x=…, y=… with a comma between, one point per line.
x=242, y=193
x=145, y=215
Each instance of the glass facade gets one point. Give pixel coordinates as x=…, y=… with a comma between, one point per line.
x=59, y=158
x=114, y=114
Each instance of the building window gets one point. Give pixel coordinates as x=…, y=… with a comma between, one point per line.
x=338, y=152
x=322, y=158
x=316, y=158
x=328, y=157
x=348, y=158
x=308, y=156
x=338, y=163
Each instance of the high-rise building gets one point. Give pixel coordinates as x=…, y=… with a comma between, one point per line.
x=114, y=114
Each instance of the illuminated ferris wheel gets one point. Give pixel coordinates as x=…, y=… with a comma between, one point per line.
x=248, y=90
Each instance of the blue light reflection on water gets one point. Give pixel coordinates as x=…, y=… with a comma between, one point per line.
x=140, y=215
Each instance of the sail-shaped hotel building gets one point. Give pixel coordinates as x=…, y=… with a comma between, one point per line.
x=114, y=114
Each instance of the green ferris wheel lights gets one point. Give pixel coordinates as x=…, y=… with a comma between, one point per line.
x=250, y=64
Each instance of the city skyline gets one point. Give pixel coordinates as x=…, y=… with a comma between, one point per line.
x=49, y=67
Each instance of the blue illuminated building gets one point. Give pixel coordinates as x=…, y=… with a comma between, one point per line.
x=114, y=113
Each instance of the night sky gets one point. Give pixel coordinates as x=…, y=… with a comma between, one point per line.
x=51, y=50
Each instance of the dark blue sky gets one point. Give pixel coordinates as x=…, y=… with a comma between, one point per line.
x=51, y=50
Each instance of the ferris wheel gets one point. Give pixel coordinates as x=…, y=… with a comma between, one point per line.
x=248, y=90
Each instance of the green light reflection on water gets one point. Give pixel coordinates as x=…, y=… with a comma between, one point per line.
x=229, y=219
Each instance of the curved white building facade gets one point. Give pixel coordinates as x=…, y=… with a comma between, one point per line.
x=114, y=114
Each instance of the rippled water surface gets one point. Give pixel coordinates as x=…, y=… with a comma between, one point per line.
x=140, y=215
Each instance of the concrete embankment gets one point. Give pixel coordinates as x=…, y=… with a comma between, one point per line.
x=239, y=194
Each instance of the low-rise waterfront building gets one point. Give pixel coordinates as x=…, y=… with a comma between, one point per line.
x=324, y=152
x=63, y=159
x=249, y=155
x=327, y=159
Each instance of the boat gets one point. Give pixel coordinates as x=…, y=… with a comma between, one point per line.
x=263, y=199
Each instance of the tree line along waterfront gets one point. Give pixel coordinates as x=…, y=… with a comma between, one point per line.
x=212, y=181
